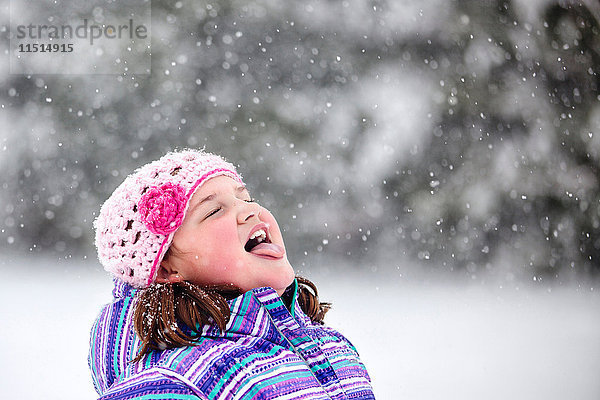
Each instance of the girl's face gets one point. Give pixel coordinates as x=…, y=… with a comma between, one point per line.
x=226, y=238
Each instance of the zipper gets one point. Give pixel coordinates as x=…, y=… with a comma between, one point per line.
x=298, y=354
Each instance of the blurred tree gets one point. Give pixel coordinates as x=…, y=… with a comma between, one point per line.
x=510, y=176
x=461, y=134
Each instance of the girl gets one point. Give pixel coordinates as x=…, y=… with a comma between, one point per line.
x=206, y=303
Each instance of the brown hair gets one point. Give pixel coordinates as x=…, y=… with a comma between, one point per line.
x=165, y=311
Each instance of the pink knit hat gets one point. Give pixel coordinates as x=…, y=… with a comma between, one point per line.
x=136, y=224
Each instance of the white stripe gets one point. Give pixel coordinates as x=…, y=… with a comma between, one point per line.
x=355, y=382
x=256, y=329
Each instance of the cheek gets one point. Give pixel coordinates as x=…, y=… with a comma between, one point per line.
x=222, y=260
x=221, y=236
x=225, y=225
x=221, y=244
x=221, y=267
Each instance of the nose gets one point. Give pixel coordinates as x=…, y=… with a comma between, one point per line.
x=248, y=211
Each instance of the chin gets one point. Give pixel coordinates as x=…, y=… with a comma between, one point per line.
x=283, y=279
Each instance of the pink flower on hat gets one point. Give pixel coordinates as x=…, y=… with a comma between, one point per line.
x=162, y=208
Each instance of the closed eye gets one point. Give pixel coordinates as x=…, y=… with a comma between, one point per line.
x=250, y=201
x=213, y=212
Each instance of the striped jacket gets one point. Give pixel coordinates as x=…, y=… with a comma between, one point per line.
x=266, y=352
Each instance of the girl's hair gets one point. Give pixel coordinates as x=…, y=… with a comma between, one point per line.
x=161, y=310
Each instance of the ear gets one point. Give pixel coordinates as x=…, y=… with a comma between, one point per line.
x=166, y=274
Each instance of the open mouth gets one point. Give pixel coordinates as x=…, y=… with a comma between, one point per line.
x=258, y=237
x=259, y=244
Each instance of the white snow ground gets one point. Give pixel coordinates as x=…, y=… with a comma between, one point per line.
x=418, y=340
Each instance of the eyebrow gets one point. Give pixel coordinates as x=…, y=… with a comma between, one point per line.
x=212, y=196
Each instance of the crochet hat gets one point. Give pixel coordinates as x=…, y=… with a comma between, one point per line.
x=136, y=224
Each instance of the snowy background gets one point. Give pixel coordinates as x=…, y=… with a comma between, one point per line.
x=434, y=166
x=421, y=338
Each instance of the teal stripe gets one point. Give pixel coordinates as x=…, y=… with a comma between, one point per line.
x=337, y=364
x=294, y=297
x=119, y=335
x=297, y=341
x=321, y=365
x=273, y=305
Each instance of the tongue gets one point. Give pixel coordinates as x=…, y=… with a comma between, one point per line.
x=268, y=249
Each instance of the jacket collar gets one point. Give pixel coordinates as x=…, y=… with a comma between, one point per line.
x=261, y=312
x=255, y=313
